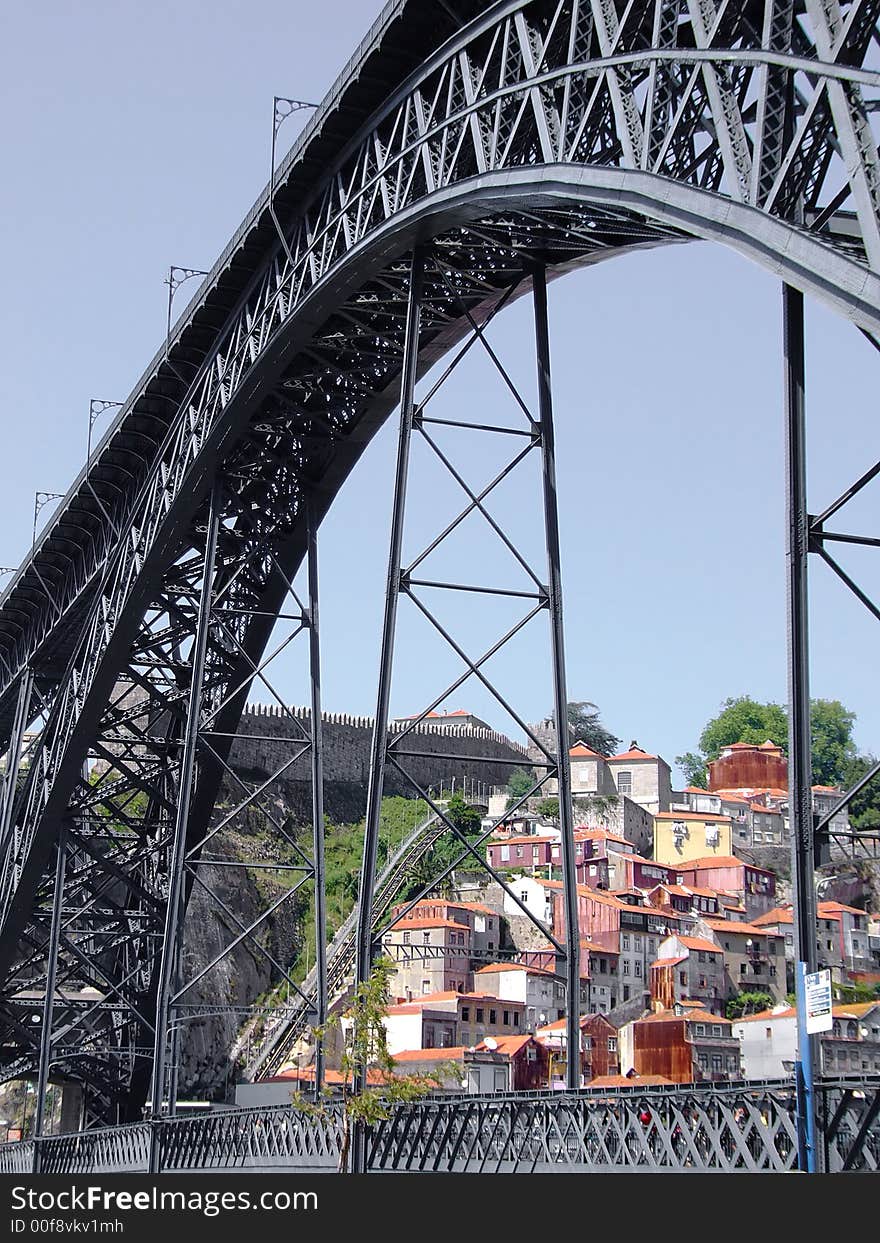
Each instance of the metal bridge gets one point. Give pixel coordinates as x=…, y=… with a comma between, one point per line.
x=468, y=153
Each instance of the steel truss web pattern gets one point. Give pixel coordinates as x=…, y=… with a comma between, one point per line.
x=516, y=139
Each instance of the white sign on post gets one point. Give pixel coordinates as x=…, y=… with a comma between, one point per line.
x=817, y=989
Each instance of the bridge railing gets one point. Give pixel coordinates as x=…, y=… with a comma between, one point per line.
x=270, y=1138
x=744, y=1127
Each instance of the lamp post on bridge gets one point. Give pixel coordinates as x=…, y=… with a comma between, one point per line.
x=97, y=407
x=282, y=108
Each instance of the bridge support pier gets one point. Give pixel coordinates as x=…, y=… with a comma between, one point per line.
x=799, y=739
x=171, y=943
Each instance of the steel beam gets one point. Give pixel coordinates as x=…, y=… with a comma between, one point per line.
x=378, y=750
x=317, y=758
x=178, y=853
x=800, y=798
x=560, y=694
x=13, y=754
x=49, y=998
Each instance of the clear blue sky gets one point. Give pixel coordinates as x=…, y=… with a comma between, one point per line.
x=135, y=136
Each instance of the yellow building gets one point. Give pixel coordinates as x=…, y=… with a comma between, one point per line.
x=680, y=836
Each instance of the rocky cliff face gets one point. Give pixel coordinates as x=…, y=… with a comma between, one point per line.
x=238, y=897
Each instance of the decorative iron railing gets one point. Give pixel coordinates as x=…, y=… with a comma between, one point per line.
x=743, y=1127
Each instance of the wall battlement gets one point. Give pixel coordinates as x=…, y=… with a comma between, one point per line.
x=482, y=756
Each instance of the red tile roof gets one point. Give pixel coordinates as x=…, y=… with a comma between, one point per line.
x=779, y=915
x=581, y=751
x=734, y=925
x=668, y=962
x=407, y=925
x=455, y=1054
x=838, y=907
x=638, y=754
x=509, y=1045
x=511, y=966
x=695, y=943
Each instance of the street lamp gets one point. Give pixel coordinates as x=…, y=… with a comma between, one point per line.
x=282, y=108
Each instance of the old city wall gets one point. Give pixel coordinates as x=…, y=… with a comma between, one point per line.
x=267, y=737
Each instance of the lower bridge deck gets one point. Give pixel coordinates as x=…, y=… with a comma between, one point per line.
x=746, y=1127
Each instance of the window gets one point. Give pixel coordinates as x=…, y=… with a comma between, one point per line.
x=742, y=968
x=612, y=1044
x=624, y=783
x=426, y=937
x=702, y=1061
x=716, y=1061
x=701, y=1029
x=626, y=992
x=465, y=1014
x=524, y=895
x=406, y=937
x=516, y=1018
x=701, y=956
x=682, y=978
x=625, y=942
x=603, y=966
x=505, y=854
x=638, y=966
x=702, y=983
x=480, y=1016
x=493, y=1017
x=426, y=987
x=716, y=1029
x=731, y=1062
x=519, y=852
x=768, y=1032
x=500, y=1079
x=506, y=1016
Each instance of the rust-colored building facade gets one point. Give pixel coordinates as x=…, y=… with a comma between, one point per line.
x=696, y=1047
x=744, y=766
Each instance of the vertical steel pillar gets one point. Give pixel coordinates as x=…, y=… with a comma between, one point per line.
x=13, y=755
x=800, y=797
x=317, y=756
x=560, y=694
x=170, y=947
x=376, y=779
x=49, y=998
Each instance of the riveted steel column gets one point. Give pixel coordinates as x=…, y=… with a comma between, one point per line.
x=800, y=798
x=560, y=693
x=49, y=998
x=171, y=946
x=13, y=754
x=364, y=943
x=317, y=756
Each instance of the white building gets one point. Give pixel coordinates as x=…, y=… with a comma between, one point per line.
x=768, y=1043
x=542, y=993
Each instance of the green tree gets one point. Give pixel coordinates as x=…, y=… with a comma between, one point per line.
x=748, y=1003
x=549, y=808
x=465, y=818
x=694, y=768
x=583, y=717
x=831, y=727
x=366, y=1050
x=518, y=783
x=743, y=719
x=864, y=809
x=835, y=757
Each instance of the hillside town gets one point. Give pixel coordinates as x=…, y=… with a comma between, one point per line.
x=687, y=948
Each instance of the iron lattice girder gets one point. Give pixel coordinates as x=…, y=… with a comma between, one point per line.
x=654, y=124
